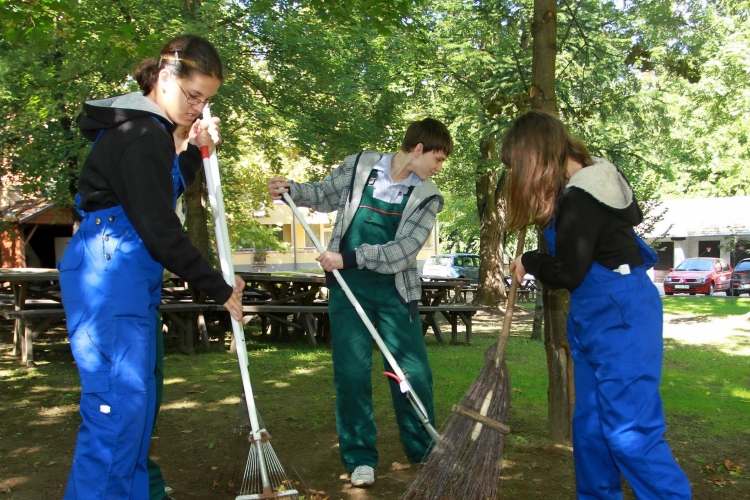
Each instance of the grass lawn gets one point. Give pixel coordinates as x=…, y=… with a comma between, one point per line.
x=705, y=389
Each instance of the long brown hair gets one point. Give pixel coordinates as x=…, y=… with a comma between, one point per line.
x=182, y=56
x=536, y=149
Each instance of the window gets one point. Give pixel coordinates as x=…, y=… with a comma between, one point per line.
x=278, y=231
x=308, y=241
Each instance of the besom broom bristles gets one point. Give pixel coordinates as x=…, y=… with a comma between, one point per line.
x=466, y=463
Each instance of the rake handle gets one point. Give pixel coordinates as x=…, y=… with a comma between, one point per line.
x=508, y=318
x=216, y=200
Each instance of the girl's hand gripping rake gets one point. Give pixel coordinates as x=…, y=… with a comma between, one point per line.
x=398, y=374
x=263, y=475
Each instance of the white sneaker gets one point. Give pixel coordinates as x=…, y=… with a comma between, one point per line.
x=363, y=476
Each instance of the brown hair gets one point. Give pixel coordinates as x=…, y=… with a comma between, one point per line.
x=536, y=149
x=182, y=56
x=431, y=133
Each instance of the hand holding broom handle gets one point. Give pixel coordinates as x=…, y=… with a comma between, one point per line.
x=403, y=383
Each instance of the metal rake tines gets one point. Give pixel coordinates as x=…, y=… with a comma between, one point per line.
x=251, y=485
x=262, y=476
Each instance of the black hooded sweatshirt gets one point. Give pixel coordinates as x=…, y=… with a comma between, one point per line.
x=594, y=220
x=131, y=165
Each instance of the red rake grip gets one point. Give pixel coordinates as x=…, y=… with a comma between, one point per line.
x=393, y=376
x=205, y=153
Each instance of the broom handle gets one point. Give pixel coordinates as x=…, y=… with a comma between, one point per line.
x=507, y=319
x=403, y=382
x=216, y=199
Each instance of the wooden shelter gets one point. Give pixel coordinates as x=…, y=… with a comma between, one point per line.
x=34, y=233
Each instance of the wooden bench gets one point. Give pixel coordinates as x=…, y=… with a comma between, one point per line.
x=451, y=313
x=180, y=318
x=303, y=320
x=34, y=321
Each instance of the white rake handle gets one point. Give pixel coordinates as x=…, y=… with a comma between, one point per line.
x=216, y=199
x=404, y=384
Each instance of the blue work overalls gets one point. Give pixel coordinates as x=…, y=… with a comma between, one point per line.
x=111, y=288
x=375, y=222
x=615, y=337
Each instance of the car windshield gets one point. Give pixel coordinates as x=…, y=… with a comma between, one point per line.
x=743, y=266
x=439, y=261
x=695, y=265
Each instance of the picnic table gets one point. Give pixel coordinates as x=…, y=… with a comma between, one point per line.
x=292, y=294
x=527, y=288
x=29, y=287
x=443, y=295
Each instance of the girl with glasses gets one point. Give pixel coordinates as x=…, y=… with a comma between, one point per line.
x=111, y=272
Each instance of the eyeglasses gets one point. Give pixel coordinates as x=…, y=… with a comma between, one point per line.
x=194, y=100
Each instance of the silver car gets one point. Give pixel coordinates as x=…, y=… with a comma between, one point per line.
x=455, y=265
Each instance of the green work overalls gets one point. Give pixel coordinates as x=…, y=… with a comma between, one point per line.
x=375, y=223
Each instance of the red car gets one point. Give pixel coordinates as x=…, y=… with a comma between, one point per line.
x=699, y=275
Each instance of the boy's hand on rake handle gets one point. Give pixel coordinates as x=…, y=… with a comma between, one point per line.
x=277, y=186
x=330, y=261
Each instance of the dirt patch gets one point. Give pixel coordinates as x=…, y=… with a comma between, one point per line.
x=193, y=443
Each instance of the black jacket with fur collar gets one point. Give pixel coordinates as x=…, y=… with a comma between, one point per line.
x=595, y=216
x=131, y=166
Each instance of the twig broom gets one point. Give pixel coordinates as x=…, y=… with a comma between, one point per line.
x=466, y=463
x=263, y=476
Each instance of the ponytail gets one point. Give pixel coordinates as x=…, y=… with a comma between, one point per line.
x=182, y=56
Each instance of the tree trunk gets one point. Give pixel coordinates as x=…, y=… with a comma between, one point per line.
x=544, y=31
x=556, y=303
x=491, y=207
x=197, y=216
x=561, y=393
x=536, y=329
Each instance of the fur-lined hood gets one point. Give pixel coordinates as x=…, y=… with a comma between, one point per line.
x=607, y=185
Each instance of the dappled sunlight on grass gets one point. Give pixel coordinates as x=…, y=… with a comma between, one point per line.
x=277, y=384
x=230, y=400
x=174, y=380
x=743, y=394
x=181, y=405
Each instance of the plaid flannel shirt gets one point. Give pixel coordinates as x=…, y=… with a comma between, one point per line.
x=341, y=191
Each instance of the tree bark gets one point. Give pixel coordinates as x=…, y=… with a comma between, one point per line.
x=561, y=393
x=538, y=326
x=491, y=207
x=197, y=216
x=544, y=31
x=556, y=303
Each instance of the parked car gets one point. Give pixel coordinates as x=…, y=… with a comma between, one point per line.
x=455, y=265
x=740, y=282
x=699, y=275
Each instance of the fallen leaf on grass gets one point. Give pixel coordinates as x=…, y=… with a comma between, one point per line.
x=684, y=442
x=730, y=466
x=708, y=468
x=719, y=481
x=214, y=468
x=516, y=389
x=187, y=431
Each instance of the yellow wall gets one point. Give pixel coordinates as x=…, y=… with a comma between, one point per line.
x=280, y=215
